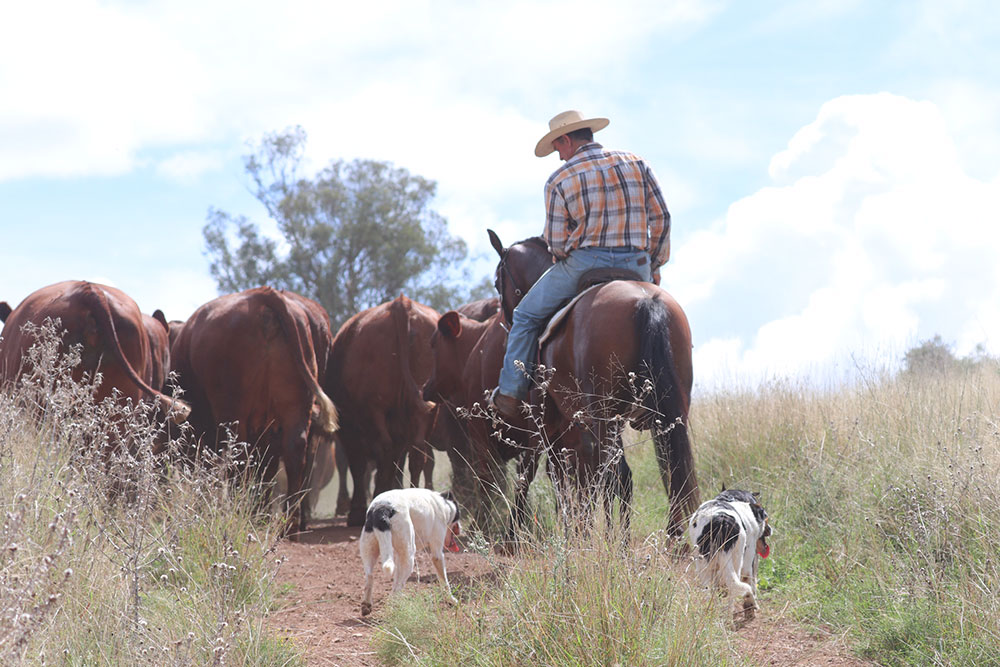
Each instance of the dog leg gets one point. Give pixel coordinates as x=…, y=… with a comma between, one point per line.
x=405, y=547
x=738, y=590
x=438, y=560
x=369, y=556
x=366, y=602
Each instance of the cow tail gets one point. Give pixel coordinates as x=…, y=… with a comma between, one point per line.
x=667, y=405
x=400, y=309
x=97, y=302
x=301, y=342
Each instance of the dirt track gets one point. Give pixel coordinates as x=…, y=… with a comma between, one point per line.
x=321, y=610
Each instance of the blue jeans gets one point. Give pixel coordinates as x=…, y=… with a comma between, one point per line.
x=546, y=296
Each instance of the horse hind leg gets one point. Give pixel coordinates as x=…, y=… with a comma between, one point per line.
x=617, y=483
x=676, y=460
x=527, y=464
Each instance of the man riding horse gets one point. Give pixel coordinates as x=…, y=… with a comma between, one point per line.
x=603, y=209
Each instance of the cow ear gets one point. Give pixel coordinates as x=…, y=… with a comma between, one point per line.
x=495, y=241
x=161, y=318
x=450, y=324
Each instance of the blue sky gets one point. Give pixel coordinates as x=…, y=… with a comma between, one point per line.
x=833, y=168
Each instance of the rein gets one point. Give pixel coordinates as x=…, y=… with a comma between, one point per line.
x=504, y=270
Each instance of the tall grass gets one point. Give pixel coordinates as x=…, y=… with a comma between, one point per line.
x=884, y=498
x=108, y=555
x=566, y=602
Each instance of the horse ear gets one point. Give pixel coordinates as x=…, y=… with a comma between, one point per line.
x=450, y=324
x=5, y=311
x=495, y=241
x=723, y=486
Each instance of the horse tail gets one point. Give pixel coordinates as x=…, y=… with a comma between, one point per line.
x=667, y=409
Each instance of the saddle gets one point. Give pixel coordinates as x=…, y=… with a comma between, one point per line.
x=588, y=281
x=603, y=275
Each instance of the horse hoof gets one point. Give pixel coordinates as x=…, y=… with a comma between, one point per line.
x=366, y=608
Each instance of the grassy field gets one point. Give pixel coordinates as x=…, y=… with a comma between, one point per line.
x=884, y=500
x=883, y=496
x=107, y=558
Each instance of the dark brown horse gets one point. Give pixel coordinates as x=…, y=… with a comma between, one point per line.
x=622, y=354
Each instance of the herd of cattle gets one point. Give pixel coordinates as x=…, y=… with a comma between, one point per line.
x=266, y=360
x=390, y=384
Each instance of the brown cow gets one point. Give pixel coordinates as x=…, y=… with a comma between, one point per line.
x=482, y=309
x=447, y=432
x=467, y=358
x=107, y=323
x=157, y=331
x=380, y=358
x=255, y=358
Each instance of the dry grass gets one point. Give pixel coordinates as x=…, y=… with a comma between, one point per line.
x=109, y=555
x=884, y=497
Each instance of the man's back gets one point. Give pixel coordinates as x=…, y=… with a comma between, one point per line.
x=603, y=198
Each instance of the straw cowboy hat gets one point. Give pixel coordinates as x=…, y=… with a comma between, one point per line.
x=565, y=123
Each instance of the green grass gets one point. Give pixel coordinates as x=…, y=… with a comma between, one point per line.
x=884, y=501
x=883, y=497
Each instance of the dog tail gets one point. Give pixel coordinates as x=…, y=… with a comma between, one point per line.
x=385, y=550
x=377, y=520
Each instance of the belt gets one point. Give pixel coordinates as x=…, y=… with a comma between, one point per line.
x=626, y=248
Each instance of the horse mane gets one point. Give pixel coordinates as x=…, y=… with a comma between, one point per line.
x=537, y=241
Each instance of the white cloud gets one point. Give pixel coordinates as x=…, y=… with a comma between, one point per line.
x=971, y=110
x=875, y=238
x=187, y=166
x=89, y=85
x=85, y=85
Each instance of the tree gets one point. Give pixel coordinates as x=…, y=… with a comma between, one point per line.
x=356, y=235
x=935, y=357
x=930, y=357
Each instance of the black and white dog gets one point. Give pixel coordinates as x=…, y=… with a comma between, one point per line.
x=398, y=523
x=729, y=533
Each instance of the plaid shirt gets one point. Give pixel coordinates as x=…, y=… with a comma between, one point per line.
x=608, y=199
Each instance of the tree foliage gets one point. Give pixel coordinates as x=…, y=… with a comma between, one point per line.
x=355, y=235
x=935, y=357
